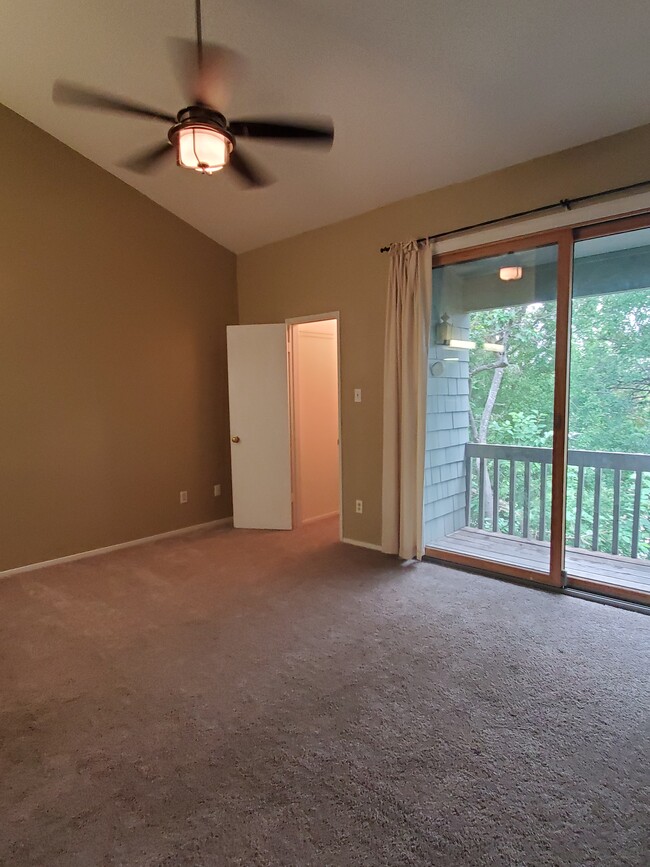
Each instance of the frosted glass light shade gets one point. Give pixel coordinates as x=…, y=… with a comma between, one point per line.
x=513, y=272
x=203, y=149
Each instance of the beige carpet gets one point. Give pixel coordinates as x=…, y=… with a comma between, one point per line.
x=245, y=698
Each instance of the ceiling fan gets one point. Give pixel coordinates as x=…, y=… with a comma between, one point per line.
x=200, y=136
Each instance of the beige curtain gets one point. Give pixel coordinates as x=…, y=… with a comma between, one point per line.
x=406, y=348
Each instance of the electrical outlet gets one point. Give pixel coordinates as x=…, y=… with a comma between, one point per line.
x=183, y=496
x=359, y=508
x=357, y=395
x=217, y=490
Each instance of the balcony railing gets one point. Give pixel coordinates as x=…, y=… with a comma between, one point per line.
x=608, y=496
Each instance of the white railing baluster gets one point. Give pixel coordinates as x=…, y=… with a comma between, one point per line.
x=542, y=501
x=596, y=521
x=526, y=519
x=495, y=496
x=513, y=498
x=637, y=514
x=581, y=480
x=619, y=462
x=616, y=510
x=481, y=492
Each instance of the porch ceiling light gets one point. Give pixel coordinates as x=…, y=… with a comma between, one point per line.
x=511, y=272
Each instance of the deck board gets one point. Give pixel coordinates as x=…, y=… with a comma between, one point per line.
x=533, y=554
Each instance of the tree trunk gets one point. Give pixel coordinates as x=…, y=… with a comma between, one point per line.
x=491, y=399
x=480, y=435
x=488, y=498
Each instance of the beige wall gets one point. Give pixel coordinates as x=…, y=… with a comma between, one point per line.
x=339, y=268
x=113, y=393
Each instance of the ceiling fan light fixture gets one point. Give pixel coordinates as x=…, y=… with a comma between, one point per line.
x=201, y=137
x=202, y=148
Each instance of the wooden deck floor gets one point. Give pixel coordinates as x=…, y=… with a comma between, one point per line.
x=531, y=554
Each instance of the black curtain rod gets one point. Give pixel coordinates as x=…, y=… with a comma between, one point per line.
x=567, y=204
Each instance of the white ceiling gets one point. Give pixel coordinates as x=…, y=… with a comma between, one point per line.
x=422, y=92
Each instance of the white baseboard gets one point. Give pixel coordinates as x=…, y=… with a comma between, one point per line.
x=221, y=522
x=362, y=544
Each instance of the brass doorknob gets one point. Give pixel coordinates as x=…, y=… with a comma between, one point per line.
x=234, y=439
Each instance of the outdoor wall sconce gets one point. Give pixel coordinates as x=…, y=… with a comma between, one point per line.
x=443, y=331
x=462, y=344
x=443, y=336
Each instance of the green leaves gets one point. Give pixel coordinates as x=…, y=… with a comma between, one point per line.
x=609, y=404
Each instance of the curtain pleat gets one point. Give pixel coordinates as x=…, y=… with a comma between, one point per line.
x=406, y=349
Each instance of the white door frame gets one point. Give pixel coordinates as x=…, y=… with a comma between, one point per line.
x=298, y=320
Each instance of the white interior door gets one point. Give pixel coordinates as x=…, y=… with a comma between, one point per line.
x=260, y=449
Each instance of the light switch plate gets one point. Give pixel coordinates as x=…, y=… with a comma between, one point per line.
x=357, y=395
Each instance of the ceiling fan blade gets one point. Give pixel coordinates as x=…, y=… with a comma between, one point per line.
x=65, y=93
x=321, y=132
x=210, y=80
x=249, y=172
x=148, y=160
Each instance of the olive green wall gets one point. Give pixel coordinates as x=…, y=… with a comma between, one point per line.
x=339, y=268
x=113, y=390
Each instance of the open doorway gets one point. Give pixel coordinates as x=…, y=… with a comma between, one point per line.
x=315, y=417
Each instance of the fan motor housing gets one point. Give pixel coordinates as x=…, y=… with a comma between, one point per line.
x=200, y=116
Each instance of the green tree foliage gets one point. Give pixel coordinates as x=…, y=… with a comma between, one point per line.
x=610, y=372
x=511, y=401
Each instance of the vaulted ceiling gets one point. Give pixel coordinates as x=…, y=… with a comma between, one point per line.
x=422, y=92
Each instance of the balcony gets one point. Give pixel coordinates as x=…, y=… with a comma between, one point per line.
x=507, y=512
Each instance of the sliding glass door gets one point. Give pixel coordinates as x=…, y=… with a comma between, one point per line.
x=537, y=458
x=490, y=410
x=608, y=474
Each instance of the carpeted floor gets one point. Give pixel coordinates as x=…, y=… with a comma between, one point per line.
x=248, y=698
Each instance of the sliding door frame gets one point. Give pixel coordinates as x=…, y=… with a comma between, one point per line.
x=561, y=407
x=561, y=239
x=564, y=238
x=601, y=229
